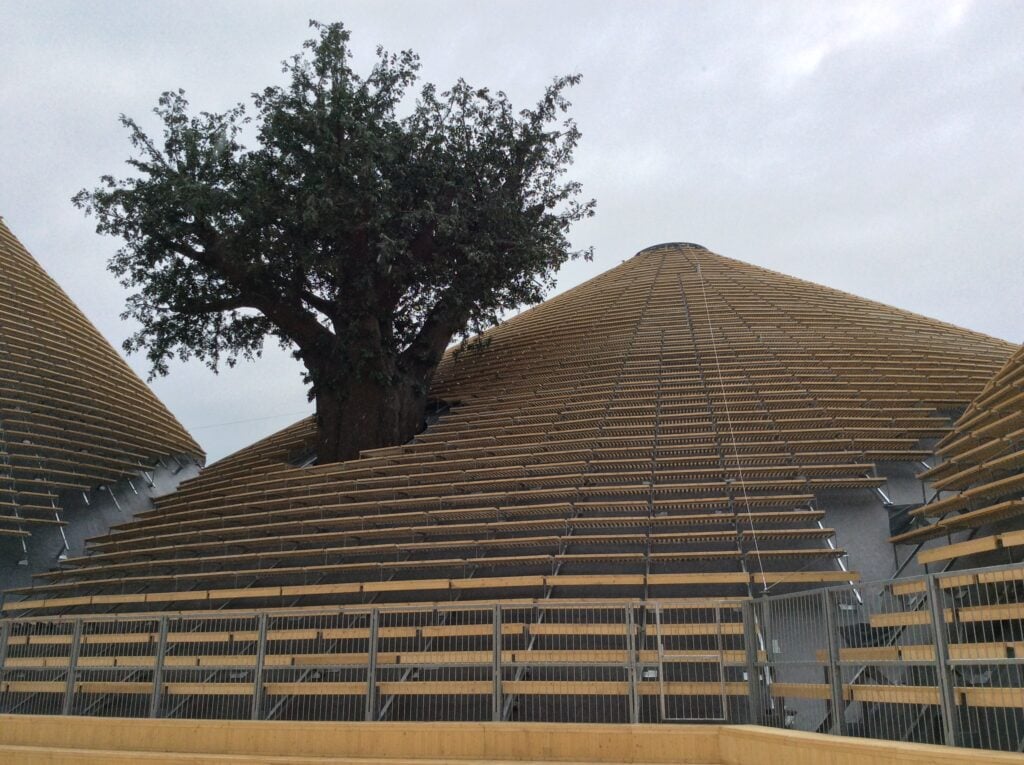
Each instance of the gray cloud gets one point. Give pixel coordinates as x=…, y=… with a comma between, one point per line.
x=873, y=147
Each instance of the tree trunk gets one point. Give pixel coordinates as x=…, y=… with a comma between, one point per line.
x=363, y=414
x=368, y=398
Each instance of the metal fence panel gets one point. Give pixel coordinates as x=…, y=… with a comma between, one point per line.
x=936, y=658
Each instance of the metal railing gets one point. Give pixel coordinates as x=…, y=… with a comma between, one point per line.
x=936, y=658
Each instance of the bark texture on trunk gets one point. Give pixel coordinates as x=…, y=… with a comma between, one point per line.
x=365, y=414
x=367, y=397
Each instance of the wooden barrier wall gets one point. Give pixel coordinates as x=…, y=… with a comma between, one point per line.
x=26, y=739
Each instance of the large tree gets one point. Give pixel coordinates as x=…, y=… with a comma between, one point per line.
x=365, y=229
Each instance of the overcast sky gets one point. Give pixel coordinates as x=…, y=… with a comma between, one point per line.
x=873, y=147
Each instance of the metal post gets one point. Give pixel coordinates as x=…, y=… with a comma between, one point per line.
x=496, y=662
x=371, y=668
x=5, y=634
x=76, y=644
x=723, y=699
x=947, y=700
x=835, y=667
x=634, y=697
x=158, y=669
x=257, y=680
x=753, y=675
x=661, y=663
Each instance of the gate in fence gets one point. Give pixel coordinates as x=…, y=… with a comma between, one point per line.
x=931, y=659
x=691, y=662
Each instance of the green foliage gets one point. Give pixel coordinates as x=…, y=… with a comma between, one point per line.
x=364, y=224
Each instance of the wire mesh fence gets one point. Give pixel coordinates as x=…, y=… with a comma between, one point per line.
x=936, y=659
x=931, y=659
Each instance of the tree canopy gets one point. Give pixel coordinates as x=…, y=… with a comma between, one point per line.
x=365, y=229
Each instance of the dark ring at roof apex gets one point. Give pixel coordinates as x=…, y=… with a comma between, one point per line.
x=672, y=246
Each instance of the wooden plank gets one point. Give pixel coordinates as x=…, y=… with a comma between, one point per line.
x=556, y=628
x=900, y=619
x=564, y=688
x=907, y=588
x=892, y=694
x=1004, y=698
x=866, y=655
x=801, y=690
x=199, y=636
x=36, y=662
x=1005, y=612
x=93, y=688
x=732, y=577
x=436, y=688
x=213, y=660
x=205, y=689
x=32, y=686
x=434, y=657
x=315, y=689
x=569, y=656
x=461, y=630
x=701, y=628
x=958, y=549
x=585, y=580
x=990, y=577
x=693, y=688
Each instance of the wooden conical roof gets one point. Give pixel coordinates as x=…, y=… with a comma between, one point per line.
x=73, y=415
x=663, y=430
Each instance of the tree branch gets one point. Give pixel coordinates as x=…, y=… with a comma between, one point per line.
x=326, y=307
x=216, y=305
x=425, y=351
